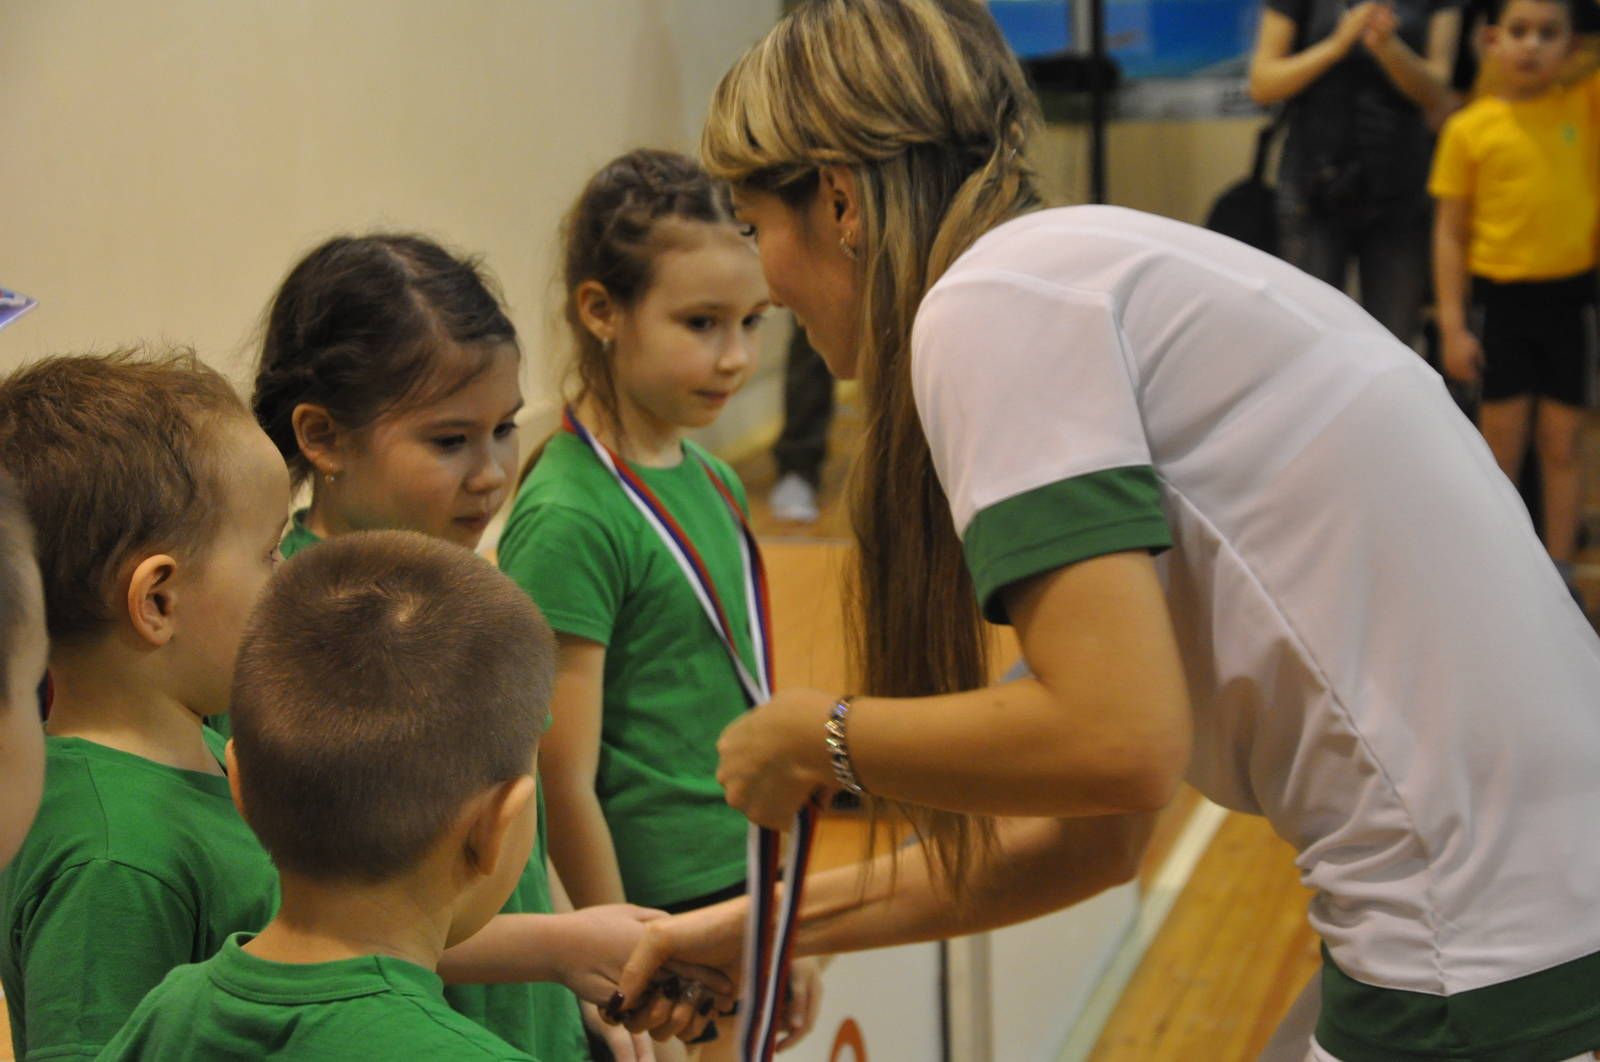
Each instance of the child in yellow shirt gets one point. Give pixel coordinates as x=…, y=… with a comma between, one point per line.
x=1517, y=181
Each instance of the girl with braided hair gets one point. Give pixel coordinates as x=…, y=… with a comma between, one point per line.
x=664, y=302
x=1196, y=482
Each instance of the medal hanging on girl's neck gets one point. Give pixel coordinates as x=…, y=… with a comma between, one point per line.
x=769, y=932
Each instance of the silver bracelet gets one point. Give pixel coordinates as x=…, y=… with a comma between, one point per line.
x=839, y=747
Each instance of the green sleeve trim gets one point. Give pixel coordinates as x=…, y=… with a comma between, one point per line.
x=1062, y=523
x=1554, y=1013
x=578, y=626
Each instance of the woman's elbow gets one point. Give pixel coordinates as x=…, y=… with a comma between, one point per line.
x=1156, y=766
x=1152, y=783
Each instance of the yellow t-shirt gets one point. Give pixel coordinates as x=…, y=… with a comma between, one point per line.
x=1531, y=169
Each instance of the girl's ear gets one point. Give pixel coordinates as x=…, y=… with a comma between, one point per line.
x=839, y=198
x=152, y=601
x=317, y=434
x=597, y=310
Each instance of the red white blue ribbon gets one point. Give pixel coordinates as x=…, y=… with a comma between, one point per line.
x=769, y=931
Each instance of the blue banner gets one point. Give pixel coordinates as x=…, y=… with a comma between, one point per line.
x=1154, y=43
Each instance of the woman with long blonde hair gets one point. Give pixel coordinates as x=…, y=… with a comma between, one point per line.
x=1241, y=532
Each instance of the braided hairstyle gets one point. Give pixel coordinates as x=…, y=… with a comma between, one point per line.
x=367, y=325
x=613, y=234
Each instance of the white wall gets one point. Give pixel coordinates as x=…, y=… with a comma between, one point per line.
x=164, y=162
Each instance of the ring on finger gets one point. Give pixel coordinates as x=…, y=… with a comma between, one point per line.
x=691, y=991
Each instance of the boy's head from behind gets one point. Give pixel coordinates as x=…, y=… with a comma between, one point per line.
x=1529, y=41
x=388, y=701
x=157, y=504
x=22, y=657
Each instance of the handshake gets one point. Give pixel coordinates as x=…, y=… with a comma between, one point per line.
x=681, y=981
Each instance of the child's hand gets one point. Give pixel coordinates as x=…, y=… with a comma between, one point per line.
x=597, y=942
x=805, y=999
x=624, y=1045
x=1463, y=355
x=708, y=939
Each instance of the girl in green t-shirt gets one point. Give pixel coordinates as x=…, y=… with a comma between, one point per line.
x=388, y=378
x=664, y=300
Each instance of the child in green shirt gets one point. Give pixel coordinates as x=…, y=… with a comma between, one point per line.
x=665, y=299
x=151, y=557
x=389, y=380
x=22, y=651
x=389, y=698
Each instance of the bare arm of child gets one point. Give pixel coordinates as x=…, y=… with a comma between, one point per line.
x=1037, y=866
x=1425, y=78
x=583, y=950
x=1452, y=228
x=569, y=756
x=1277, y=74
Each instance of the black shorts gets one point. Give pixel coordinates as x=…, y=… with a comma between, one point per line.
x=1538, y=338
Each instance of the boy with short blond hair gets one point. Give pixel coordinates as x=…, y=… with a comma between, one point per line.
x=157, y=504
x=389, y=697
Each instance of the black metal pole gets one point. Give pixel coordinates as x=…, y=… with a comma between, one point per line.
x=1099, y=62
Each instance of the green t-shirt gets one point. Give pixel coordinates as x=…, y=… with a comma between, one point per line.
x=596, y=570
x=132, y=868
x=541, y=1018
x=238, y=1006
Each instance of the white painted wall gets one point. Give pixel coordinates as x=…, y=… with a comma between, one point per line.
x=164, y=163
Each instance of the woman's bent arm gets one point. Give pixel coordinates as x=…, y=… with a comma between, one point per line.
x=1102, y=727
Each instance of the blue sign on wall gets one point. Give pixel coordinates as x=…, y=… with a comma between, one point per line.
x=1147, y=38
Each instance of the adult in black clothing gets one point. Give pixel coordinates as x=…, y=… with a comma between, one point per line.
x=1362, y=82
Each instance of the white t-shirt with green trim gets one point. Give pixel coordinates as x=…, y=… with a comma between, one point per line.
x=1381, y=656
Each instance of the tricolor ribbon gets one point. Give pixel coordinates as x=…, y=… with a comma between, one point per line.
x=769, y=932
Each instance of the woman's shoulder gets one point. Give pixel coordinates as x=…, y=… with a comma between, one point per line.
x=1068, y=249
